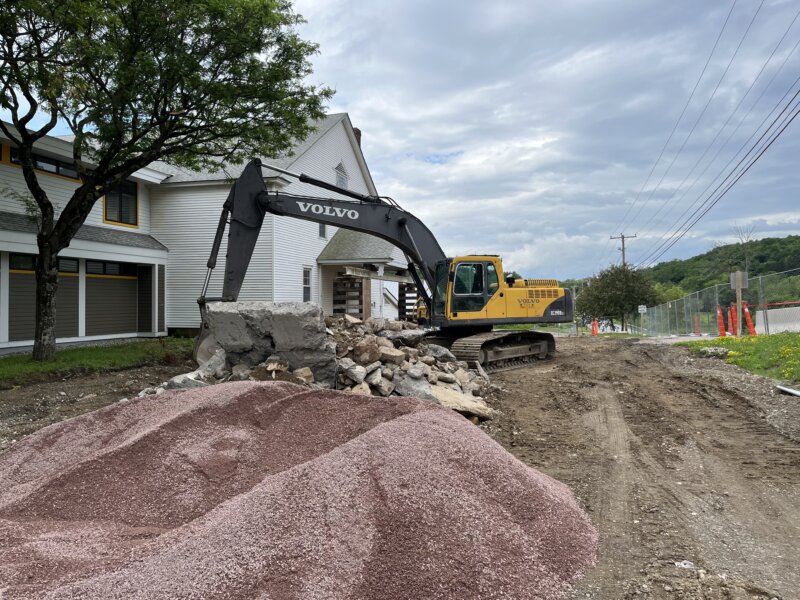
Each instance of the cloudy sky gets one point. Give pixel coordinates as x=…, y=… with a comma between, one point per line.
x=528, y=128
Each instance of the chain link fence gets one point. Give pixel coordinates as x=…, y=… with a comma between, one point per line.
x=773, y=302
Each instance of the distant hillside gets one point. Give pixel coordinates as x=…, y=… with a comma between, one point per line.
x=759, y=257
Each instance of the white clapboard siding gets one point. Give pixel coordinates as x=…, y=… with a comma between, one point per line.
x=12, y=186
x=297, y=242
x=185, y=219
x=59, y=190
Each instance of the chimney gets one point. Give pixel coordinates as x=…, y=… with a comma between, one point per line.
x=357, y=133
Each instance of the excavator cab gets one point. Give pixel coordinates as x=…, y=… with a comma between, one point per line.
x=471, y=291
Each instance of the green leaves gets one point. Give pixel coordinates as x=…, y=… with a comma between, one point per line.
x=615, y=292
x=187, y=81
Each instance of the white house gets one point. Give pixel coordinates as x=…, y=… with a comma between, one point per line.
x=137, y=265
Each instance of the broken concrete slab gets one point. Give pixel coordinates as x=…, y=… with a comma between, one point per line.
x=392, y=355
x=463, y=403
x=186, y=381
x=294, y=332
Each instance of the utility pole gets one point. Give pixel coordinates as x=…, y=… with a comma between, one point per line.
x=622, y=237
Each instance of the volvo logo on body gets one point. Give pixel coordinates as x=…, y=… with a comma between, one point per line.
x=328, y=211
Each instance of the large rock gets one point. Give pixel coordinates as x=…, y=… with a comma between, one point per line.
x=367, y=350
x=250, y=332
x=440, y=353
x=383, y=386
x=215, y=366
x=404, y=385
x=408, y=337
x=463, y=403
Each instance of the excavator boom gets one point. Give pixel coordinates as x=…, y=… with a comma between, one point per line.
x=465, y=297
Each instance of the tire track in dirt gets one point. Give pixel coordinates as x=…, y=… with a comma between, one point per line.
x=674, y=461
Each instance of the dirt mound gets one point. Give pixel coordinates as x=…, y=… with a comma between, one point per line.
x=272, y=490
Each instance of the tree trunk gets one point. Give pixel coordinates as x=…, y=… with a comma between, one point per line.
x=44, y=345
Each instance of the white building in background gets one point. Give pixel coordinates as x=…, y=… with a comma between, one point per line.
x=137, y=265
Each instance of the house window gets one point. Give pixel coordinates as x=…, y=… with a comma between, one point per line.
x=67, y=265
x=121, y=204
x=323, y=231
x=47, y=164
x=96, y=267
x=306, y=285
x=341, y=176
x=22, y=262
x=27, y=262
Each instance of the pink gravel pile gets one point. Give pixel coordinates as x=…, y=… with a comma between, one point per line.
x=275, y=491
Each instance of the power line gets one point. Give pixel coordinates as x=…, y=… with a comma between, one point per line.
x=724, y=192
x=680, y=117
x=702, y=113
x=721, y=129
x=722, y=171
x=711, y=201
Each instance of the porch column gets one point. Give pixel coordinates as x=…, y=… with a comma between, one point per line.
x=5, y=296
x=81, y=297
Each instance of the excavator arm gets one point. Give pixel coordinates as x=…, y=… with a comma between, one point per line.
x=249, y=200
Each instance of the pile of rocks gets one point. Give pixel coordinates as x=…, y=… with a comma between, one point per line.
x=264, y=341
x=382, y=358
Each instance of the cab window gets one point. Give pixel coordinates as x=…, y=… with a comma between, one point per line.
x=440, y=293
x=492, y=281
x=468, y=288
x=469, y=279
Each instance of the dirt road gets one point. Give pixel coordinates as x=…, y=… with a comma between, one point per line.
x=675, y=458
x=676, y=461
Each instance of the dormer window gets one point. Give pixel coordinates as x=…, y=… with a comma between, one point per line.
x=341, y=176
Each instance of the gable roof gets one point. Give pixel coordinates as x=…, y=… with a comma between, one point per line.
x=348, y=246
x=230, y=171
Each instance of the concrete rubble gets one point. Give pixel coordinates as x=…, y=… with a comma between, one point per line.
x=264, y=341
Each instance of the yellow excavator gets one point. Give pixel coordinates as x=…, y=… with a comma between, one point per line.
x=464, y=297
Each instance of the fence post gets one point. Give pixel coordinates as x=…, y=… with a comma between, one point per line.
x=764, y=304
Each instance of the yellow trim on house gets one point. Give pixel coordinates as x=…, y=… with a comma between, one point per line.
x=117, y=223
x=5, y=159
x=96, y=276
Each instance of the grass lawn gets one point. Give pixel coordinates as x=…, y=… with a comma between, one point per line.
x=18, y=368
x=776, y=356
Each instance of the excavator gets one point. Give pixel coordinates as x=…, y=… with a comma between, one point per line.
x=463, y=298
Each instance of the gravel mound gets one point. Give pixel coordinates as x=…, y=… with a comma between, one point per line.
x=272, y=490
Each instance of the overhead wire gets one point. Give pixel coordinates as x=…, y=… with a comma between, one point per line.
x=675, y=127
x=723, y=188
x=651, y=248
x=788, y=122
x=703, y=112
x=666, y=203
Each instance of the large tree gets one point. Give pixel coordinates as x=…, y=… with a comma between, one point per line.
x=615, y=293
x=191, y=82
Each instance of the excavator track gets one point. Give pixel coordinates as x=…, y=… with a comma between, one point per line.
x=500, y=350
